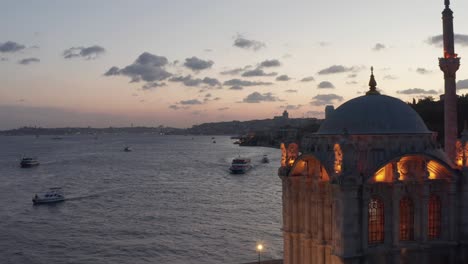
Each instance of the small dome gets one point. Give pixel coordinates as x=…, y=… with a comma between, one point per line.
x=374, y=114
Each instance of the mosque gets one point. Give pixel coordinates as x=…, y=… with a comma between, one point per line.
x=372, y=185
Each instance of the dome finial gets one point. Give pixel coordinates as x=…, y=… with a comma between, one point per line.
x=447, y=3
x=372, y=84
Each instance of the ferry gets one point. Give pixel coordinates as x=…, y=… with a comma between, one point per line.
x=53, y=195
x=29, y=162
x=127, y=149
x=240, y=165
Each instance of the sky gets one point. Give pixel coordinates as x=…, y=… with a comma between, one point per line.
x=181, y=63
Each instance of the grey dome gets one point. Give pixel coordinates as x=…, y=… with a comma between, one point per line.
x=374, y=114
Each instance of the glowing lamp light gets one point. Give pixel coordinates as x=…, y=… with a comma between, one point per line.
x=460, y=162
x=259, y=247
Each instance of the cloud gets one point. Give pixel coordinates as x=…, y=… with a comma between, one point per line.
x=352, y=75
x=248, y=44
x=462, y=84
x=290, y=91
x=325, y=99
x=196, y=64
x=325, y=85
x=189, y=81
x=417, y=91
x=239, y=82
x=257, y=72
x=3, y=59
x=190, y=102
x=10, y=47
x=256, y=97
x=351, y=82
x=292, y=107
x=336, y=69
x=88, y=53
x=235, y=71
x=423, y=71
x=308, y=79
x=28, y=61
x=324, y=44
x=236, y=87
x=211, y=81
x=152, y=85
x=112, y=71
x=437, y=40
x=270, y=63
x=390, y=77
x=283, y=78
x=223, y=108
x=147, y=67
x=378, y=47
x=176, y=107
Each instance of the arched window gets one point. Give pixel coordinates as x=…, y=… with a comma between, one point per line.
x=376, y=221
x=434, y=217
x=406, y=219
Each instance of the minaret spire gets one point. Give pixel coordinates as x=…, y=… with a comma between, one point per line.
x=449, y=64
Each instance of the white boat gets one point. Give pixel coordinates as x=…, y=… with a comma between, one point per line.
x=240, y=165
x=265, y=159
x=53, y=195
x=29, y=162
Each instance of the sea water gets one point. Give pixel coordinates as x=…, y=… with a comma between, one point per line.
x=170, y=200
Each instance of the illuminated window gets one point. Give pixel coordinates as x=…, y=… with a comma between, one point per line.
x=434, y=217
x=406, y=219
x=376, y=221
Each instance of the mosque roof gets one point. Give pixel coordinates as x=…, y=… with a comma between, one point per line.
x=373, y=113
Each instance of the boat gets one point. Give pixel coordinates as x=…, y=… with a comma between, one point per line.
x=240, y=165
x=53, y=195
x=265, y=159
x=29, y=162
x=127, y=149
x=214, y=141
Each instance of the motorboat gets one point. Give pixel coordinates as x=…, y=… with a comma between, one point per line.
x=53, y=195
x=240, y=165
x=265, y=159
x=27, y=162
x=127, y=149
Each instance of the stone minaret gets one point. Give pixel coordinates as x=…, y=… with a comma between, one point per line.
x=449, y=65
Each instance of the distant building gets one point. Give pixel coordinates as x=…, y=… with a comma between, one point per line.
x=282, y=120
x=329, y=110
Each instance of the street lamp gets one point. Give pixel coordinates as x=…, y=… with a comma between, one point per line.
x=259, y=250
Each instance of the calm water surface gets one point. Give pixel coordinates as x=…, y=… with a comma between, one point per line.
x=171, y=200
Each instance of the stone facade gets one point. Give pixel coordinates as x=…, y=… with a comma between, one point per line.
x=328, y=188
